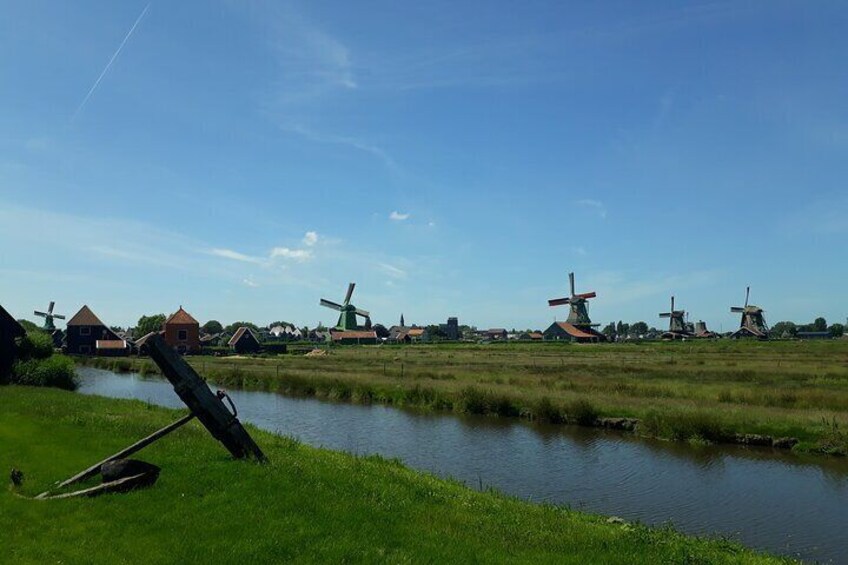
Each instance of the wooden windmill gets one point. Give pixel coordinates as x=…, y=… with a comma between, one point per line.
x=348, y=312
x=49, y=316
x=677, y=326
x=753, y=323
x=578, y=326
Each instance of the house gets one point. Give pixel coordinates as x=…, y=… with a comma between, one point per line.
x=531, y=336
x=141, y=345
x=354, y=337
x=320, y=336
x=211, y=340
x=244, y=341
x=85, y=330
x=494, y=334
x=405, y=334
x=564, y=331
x=10, y=330
x=182, y=332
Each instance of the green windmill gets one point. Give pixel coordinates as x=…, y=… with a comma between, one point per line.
x=348, y=312
x=49, y=316
x=578, y=316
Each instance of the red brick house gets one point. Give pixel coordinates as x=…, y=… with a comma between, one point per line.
x=182, y=332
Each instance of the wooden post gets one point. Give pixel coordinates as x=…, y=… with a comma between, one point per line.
x=137, y=446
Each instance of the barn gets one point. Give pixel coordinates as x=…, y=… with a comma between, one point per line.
x=10, y=330
x=354, y=337
x=563, y=331
x=244, y=341
x=85, y=332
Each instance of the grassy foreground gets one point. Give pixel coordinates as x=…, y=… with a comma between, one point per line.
x=306, y=505
x=693, y=391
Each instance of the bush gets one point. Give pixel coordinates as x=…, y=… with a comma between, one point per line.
x=35, y=345
x=582, y=412
x=56, y=371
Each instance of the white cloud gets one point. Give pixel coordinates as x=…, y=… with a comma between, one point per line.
x=296, y=254
x=579, y=250
x=235, y=255
x=392, y=271
x=250, y=282
x=310, y=239
x=398, y=217
x=596, y=204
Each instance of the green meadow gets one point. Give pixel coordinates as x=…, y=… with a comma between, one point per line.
x=693, y=391
x=306, y=505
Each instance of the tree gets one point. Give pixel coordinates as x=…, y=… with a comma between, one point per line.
x=434, y=332
x=212, y=327
x=147, y=324
x=233, y=328
x=785, y=327
x=820, y=324
x=639, y=328
x=28, y=326
x=837, y=330
x=609, y=331
x=380, y=330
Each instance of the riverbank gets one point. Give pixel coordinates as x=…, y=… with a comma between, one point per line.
x=307, y=504
x=762, y=393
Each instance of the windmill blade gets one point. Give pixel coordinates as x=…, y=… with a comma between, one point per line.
x=42, y=314
x=571, y=282
x=586, y=295
x=559, y=301
x=349, y=293
x=747, y=295
x=672, y=303
x=50, y=308
x=737, y=309
x=363, y=313
x=665, y=315
x=59, y=316
x=331, y=305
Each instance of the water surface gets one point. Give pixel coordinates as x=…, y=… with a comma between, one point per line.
x=764, y=498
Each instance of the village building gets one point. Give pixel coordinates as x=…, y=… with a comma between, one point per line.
x=211, y=340
x=494, y=334
x=564, y=331
x=244, y=341
x=354, y=337
x=531, y=336
x=182, y=332
x=10, y=331
x=87, y=335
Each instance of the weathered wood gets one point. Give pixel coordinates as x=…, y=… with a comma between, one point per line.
x=10, y=330
x=121, y=485
x=124, y=453
x=203, y=403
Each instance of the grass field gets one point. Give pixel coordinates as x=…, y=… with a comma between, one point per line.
x=306, y=505
x=694, y=391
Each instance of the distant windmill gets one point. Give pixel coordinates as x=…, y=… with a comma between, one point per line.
x=677, y=326
x=578, y=315
x=349, y=312
x=753, y=323
x=49, y=316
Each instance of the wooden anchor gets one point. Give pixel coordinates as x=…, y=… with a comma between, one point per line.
x=206, y=406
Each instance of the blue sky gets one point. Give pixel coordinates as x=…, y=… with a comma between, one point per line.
x=245, y=159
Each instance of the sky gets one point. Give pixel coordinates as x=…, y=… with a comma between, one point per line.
x=244, y=159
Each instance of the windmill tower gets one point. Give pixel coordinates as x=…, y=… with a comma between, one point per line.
x=753, y=323
x=49, y=316
x=578, y=326
x=348, y=312
x=677, y=326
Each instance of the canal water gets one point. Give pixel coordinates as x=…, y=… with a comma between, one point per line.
x=764, y=498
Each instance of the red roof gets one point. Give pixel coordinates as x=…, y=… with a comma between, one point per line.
x=181, y=317
x=574, y=331
x=353, y=335
x=85, y=317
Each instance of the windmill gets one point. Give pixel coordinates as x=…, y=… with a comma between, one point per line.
x=49, y=316
x=349, y=312
x=578, y=315
x=677, y=326
x=753, y=323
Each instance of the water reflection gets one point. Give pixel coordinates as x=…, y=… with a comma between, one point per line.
x=765, y=498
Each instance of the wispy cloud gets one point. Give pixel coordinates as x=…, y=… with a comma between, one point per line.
x=392, y=271
x=296, y=254
x=597, y=205
x=235, y=256
x=348, y=141
x=398, y=216
x=310, y=239
x=109, y=64
x=250, y=282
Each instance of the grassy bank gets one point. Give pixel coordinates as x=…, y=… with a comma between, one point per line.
x=721, y=391
x=306, y=505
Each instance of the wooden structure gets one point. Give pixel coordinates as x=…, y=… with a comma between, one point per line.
x=182, y=332
x=10, y=331
x=206, y=406
x=578, y=326
x=84, y=331
x=244, y=341
x=753, y=322
x=358, y=337
x=676, y=323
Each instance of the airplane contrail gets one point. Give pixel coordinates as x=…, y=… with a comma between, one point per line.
x=109, y=64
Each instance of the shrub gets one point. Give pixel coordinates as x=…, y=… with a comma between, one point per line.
x=545, y=411
x=582, y=412
x=35, y=345
x=56, y=371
